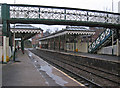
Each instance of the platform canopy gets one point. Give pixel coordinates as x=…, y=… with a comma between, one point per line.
x=25, y=30
x=70, y=31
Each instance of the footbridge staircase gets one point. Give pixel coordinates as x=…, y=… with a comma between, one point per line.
x=102, y=40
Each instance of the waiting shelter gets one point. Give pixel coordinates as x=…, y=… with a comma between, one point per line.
x=18, y=34
x=74, y=38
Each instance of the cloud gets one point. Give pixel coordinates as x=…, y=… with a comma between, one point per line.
x=85, y=4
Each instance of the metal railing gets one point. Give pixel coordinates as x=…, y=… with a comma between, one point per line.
x=100, y=40
x=62, y=13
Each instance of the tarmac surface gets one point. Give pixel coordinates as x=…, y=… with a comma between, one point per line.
x=31, y=70
x=92, y=56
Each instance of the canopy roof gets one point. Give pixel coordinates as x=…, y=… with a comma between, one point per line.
x=70, y=31
x=25, y=30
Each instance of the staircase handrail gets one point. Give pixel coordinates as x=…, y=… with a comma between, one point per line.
x=99, y=40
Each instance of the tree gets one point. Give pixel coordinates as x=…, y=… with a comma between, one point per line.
x=47, y=32
x=56, y=30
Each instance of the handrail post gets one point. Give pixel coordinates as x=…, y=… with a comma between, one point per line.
x=65, y=14
x=39, y=12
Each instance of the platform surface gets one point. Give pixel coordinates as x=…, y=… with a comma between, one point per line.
x=92, y=56
x=30, y=70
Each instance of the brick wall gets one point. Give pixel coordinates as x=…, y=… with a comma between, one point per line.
x=35, y=39
x=98, y=31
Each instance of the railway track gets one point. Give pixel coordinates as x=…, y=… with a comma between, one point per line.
x=92, y=76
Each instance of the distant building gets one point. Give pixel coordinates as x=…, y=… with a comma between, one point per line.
x=35, y=41
x=119, y=7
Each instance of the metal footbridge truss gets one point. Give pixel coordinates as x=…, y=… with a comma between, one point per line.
x=20, y=13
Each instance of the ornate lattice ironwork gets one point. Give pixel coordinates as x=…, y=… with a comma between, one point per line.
x=42, y=12
x=100, y=40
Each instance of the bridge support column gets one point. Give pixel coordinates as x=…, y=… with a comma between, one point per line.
x=22, y=45
x=4, y=50
x=11, y=42
x=118, y=45
x=5, y=15
x=4, y=30
x=14, y=47
x=7, y=49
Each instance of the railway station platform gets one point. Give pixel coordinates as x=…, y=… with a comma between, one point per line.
x=97, y=56
x=106, y=62
x=31, y=70
x=110, y=58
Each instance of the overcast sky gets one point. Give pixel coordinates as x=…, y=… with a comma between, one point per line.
x=85, y=4
x=105, y=5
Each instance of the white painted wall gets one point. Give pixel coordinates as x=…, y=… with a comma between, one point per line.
x=82, y=47
x=108, y=50
x=1, y=53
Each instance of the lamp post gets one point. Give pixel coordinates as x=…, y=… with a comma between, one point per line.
x=112, y=32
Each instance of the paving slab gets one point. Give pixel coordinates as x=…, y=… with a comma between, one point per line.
x=31, y=70
x=21, y=73
x=52, y=75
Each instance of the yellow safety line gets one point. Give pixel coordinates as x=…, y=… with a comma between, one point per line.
x=66, y=75
x=69, y=76
x=84, y=56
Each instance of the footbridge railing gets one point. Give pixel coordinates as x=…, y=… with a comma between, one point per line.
x=105, y=35
x=61, y=15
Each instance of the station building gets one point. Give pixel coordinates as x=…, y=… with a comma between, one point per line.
x=35, y=39
x=75, y=39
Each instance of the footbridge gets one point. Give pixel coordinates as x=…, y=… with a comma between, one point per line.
x=51, y=15
x=17, y=13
